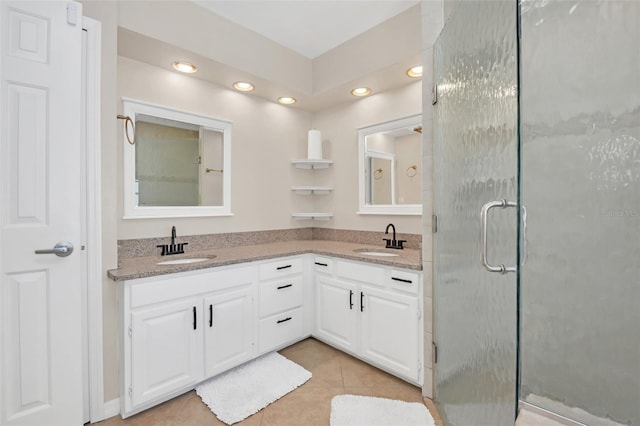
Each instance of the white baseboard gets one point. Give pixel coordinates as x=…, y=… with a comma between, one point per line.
x=112, y=408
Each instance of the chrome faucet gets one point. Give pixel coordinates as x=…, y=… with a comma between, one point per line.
x=393, y=243
x=172, y=248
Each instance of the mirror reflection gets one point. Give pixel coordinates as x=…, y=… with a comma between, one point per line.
x=178, y=164
x=391, y=167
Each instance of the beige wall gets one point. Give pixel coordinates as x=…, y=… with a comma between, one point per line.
x=265, y=137
x=339, y=128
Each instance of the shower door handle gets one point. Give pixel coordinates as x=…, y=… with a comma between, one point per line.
x=484, y=214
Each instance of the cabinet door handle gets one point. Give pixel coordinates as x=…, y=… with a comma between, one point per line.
x=210, y=315
x=284, y=320
x=351, y=299
x=283, y=267
x=195, y=321
x=361, y=302
x=285, y=286
x=321, y=264
x=402, y=280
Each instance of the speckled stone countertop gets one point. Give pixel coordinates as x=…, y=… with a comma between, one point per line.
x=141, y=267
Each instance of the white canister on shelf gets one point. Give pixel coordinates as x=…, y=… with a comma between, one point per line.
x=314, y=148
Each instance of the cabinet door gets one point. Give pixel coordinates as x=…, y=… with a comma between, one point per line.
x=166, y=349
x=336, y=312
x=229, y=324
x=389, y=336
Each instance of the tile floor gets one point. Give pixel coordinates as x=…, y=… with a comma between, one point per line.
x=334, y=373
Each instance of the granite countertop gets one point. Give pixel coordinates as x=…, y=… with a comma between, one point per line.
x=141, y=267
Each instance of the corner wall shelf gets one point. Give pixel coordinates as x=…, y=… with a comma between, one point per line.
x=312, y=164
x=312, y=216
x=308, y=190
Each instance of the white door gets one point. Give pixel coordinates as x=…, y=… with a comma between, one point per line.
x=166, y=349
x=337, y=307
x=229, y=330
x=40, y=205
x=389, y=335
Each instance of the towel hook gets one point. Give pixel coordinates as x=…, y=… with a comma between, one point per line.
x=128, y=122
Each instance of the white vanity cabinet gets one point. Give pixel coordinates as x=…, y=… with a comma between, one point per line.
x=281, y=296
x=372, y=312
x=165, y=348
x=180, y=329
x=229, y=330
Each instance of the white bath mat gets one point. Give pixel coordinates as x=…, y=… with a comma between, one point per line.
x=355, y=410
x=242, y=391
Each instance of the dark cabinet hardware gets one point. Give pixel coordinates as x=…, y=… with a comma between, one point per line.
x=402, y=280
x=285, y=286
x=321, y=264
x=283, y=267
x=210, y=315
x=361, y=302
x=284, y=320
x=195, y=321
x=351, y=299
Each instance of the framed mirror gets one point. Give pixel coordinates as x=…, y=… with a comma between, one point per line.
x=390, y=167
x=176, y=164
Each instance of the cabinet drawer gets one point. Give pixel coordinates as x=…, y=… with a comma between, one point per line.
x=365, y=273
x=280, y=295
x=280, y=268
x=323, y=264
x=279, y=329
x=405, y=281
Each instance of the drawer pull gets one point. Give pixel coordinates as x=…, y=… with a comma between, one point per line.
x=361, y=302
x=321, y=264
x=210, y=316
x=402, y=280
x=195, y=320
x=284, y=320
x=283, y=267
x=350, y=299
x=284, y=286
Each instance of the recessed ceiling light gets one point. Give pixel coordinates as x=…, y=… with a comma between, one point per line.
x=415, y=71
x=243, y=86
x=361, y=91
x=183, y=66
x=287, y=100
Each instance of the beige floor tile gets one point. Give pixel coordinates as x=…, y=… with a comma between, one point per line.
x=434, y=411
x=309, y=406
x=334, y=373
x=356, y=373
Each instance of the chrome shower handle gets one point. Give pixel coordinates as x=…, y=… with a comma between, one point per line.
x=484, y=214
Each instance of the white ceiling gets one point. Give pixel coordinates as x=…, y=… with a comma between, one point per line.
x=309, y=27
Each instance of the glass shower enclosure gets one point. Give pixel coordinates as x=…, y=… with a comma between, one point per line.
x=538, y=106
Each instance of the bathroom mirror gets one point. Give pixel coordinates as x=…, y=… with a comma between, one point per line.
x=390, y=167
x=176, y=164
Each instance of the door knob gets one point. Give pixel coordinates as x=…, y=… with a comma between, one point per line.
x=62, y=249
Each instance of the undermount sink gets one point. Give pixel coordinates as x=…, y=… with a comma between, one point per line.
x=184, y=260
x=370, y=252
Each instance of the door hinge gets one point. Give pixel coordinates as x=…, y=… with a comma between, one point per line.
x=130, y=390
x=434, y=223
x=434, y=94
x=419, y=313
x=435, y=353
x=130, y=331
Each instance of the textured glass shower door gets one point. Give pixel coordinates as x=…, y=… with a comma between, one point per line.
x=476, y=162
